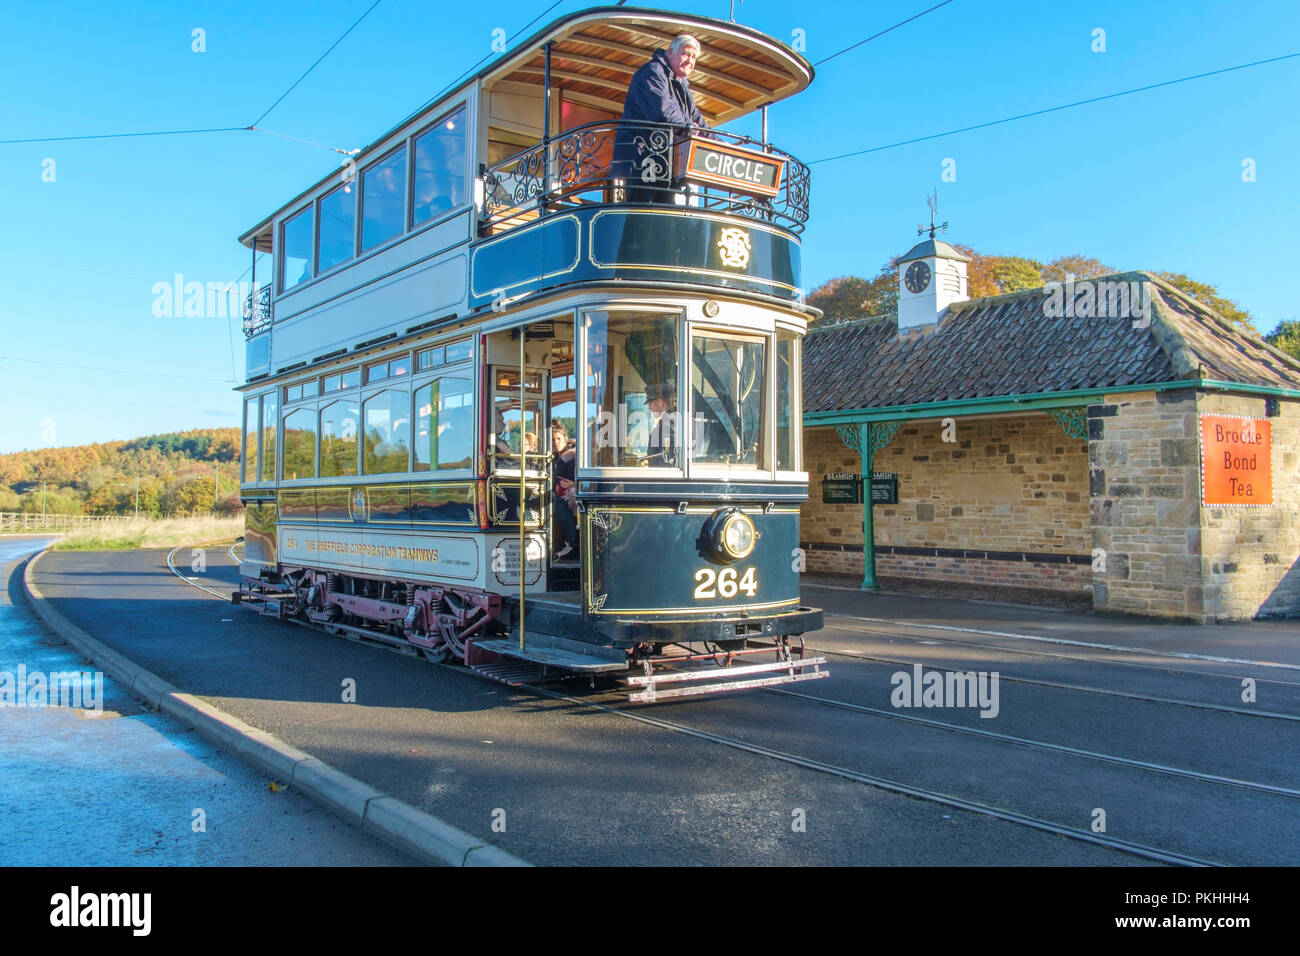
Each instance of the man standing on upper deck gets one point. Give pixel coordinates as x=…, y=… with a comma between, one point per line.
x=658, y=93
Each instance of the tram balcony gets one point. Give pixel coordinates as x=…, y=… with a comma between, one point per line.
x=645, y=201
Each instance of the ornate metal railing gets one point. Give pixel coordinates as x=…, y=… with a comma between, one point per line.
x=597, y=163
x=257, y=311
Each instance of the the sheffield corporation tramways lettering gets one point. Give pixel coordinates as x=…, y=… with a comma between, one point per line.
x=391, y=551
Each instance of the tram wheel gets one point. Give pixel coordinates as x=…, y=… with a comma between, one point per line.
x=435, y=654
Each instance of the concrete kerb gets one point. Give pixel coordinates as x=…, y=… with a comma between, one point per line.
x=400, y=825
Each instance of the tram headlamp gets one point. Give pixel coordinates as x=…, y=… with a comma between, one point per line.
x=736, y=536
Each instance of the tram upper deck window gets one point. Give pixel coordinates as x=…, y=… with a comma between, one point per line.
x=383, y=199
x=728, y=395
x=631, y=359
x=295, y=249
x=444, y=425
x=440, y=169
x=338, y=228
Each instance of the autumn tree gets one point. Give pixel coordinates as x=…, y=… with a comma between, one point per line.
x=192, y=496
x=1063, y=268
x=852, y=297
x=1286, y=337
x=1015, y=274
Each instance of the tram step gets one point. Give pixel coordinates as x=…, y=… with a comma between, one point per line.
x=559, y=652
x=512, y=672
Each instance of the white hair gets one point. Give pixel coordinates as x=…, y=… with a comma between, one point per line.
x=683, y=40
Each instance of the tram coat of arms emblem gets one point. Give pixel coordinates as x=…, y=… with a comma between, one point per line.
x=358, y=505
x=733, y=247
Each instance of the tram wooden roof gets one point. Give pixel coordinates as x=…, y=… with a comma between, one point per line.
x=596, y=52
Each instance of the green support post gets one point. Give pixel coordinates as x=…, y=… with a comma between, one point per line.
x=867, y=438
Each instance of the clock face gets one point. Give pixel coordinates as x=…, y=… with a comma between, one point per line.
x=917, y=278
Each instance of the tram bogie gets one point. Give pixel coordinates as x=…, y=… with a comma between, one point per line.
x=541, y=428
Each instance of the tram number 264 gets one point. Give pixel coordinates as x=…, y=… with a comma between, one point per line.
x=725, y=583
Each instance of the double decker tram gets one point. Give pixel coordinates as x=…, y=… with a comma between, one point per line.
x=523, y=390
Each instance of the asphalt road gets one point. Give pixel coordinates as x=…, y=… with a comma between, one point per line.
x=575, y=785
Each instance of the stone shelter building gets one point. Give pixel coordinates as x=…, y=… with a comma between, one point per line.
x=1111, y=439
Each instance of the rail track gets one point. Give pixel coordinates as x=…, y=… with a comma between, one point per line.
x=954, y=801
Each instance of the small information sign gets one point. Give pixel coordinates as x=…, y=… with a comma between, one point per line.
x=884, y=488
x=842, y=488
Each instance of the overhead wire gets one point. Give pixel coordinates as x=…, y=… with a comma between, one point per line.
x=854, y=46
x=1053, y=109
x=307, y=72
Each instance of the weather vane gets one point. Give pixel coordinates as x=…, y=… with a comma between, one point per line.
x=933, y=202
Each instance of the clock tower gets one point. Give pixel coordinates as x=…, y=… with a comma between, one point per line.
x=931, y=276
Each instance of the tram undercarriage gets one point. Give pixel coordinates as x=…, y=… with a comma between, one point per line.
x=481, y=630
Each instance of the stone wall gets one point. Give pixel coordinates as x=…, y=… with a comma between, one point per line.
x=1144, y=457
x=1168, y=555
x=1008, y=490
x=1251, y=555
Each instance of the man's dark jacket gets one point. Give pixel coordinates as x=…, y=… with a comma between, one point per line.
x=657, y=95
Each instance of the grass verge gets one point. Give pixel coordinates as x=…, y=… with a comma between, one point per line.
x=152, y=533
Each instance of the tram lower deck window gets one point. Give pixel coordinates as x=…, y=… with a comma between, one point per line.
x=631, y=389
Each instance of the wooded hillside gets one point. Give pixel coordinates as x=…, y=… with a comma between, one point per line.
x=176, y=474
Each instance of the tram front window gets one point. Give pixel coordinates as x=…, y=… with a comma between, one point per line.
x=631, y=389
x=728, y=391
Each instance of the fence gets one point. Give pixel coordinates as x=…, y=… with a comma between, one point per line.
x=18, y=521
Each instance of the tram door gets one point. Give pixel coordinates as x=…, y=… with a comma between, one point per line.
x=545, y=425
x=519, y=458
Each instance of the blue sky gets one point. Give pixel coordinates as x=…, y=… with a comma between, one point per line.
x=1149, y=181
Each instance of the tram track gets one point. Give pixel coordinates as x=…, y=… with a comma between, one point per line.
x=1057, y=685
x=1177, y=655
x=890, y=631
x=1144, y=851
x=892, y=786
x=1043, y=745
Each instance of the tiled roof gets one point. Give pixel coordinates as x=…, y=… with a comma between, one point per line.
x=1009, y=345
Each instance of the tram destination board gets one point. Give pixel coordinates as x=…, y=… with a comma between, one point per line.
x=746, y=170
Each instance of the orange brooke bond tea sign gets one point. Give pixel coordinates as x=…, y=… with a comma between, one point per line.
x=1236, y=460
